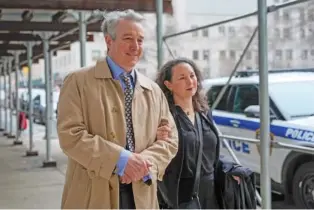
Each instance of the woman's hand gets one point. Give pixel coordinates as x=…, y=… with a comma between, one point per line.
x=163, y=132
x=237, y=179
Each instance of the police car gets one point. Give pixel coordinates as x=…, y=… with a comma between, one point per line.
x=291, y=95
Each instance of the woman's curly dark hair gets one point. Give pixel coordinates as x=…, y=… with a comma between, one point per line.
x=165, y=74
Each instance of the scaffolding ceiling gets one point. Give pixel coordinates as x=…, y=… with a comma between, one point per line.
x=21, y=21
x=138, y=5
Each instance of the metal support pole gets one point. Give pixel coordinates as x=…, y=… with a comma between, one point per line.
x=1, y=104
x=159, y=12
x=264, y=103
x=82, y=31
x=5, y=71
x=169, y=49
x=30, y=151
x=48, y=162
x=10, y=135
x=17, y=99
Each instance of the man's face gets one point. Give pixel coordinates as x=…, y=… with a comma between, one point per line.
x=127, y=48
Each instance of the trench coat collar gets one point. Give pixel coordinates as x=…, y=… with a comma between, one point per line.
x=102, y=71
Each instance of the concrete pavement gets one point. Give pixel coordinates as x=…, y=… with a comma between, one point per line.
x=24, y=183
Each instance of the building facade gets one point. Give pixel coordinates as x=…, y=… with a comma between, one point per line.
x=216, y=49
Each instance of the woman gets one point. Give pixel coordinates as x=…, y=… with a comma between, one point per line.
x=180, y=80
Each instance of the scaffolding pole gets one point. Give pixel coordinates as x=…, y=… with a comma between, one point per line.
x=270, y=9
x=2, y=68
x=264, y=103
x=159, y=13
x=5, y=72
x=82, y=31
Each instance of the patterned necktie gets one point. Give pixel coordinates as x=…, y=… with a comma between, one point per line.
x=128, y=95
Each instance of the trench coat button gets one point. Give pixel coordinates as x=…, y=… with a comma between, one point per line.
x=112, y=135
x=114, y=109
x=92, y=174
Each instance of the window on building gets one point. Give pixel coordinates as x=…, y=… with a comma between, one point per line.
x=206, y=54
x=304, y=54
x=221, y=30
x=287, y=33
x=312, y=52
x=248, y=55
x=222, y=54
x=195, y=55
x=276, y=15
x=205, y=32
x=96, y=55
x=302, y=33
x=277, y=33
x=289, y=54
x=231, y=31
x=206, y=73
x=245, y=95
x=194, y=33
x=310, y=15
x=278, y=54
x=232, y=54
x=301, y=14
x=286, y=15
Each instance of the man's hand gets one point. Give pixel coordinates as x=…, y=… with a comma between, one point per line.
x=136, y=168
x=125, y=179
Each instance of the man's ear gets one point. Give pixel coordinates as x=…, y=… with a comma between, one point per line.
x=108, y=41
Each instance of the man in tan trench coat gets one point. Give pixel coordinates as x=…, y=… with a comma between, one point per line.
x=94, y=126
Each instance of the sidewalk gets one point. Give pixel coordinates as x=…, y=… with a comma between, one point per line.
x=24, y=183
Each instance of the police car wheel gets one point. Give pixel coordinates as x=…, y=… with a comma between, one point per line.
x=303, y=186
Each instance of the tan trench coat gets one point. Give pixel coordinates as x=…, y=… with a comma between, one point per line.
x=91, y=129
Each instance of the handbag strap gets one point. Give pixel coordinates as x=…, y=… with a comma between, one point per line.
x=199, y=158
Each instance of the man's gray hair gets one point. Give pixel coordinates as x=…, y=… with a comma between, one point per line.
x=111, y=20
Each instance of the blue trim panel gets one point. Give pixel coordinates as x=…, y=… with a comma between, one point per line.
x=294, y=134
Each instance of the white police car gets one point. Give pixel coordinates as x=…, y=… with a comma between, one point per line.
x=291, y=94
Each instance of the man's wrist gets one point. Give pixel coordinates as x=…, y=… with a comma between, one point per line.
x=122, y=162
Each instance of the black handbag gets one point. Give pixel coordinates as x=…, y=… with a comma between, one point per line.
x=194, y=203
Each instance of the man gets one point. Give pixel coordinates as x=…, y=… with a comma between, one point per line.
x=108, y=116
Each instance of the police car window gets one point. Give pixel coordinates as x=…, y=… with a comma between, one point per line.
x=245, y=96
x=212, y=95
x=295, y=98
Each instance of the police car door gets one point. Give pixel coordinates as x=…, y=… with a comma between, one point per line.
x=229, y=123
x=242, y=126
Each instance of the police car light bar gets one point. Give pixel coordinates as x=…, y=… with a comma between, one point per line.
x=247, y=73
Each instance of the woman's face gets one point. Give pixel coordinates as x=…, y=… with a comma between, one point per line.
x=183, y=83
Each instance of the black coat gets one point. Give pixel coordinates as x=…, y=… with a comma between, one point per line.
x=168, y=189
x=227, y=190
x=231, y=195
